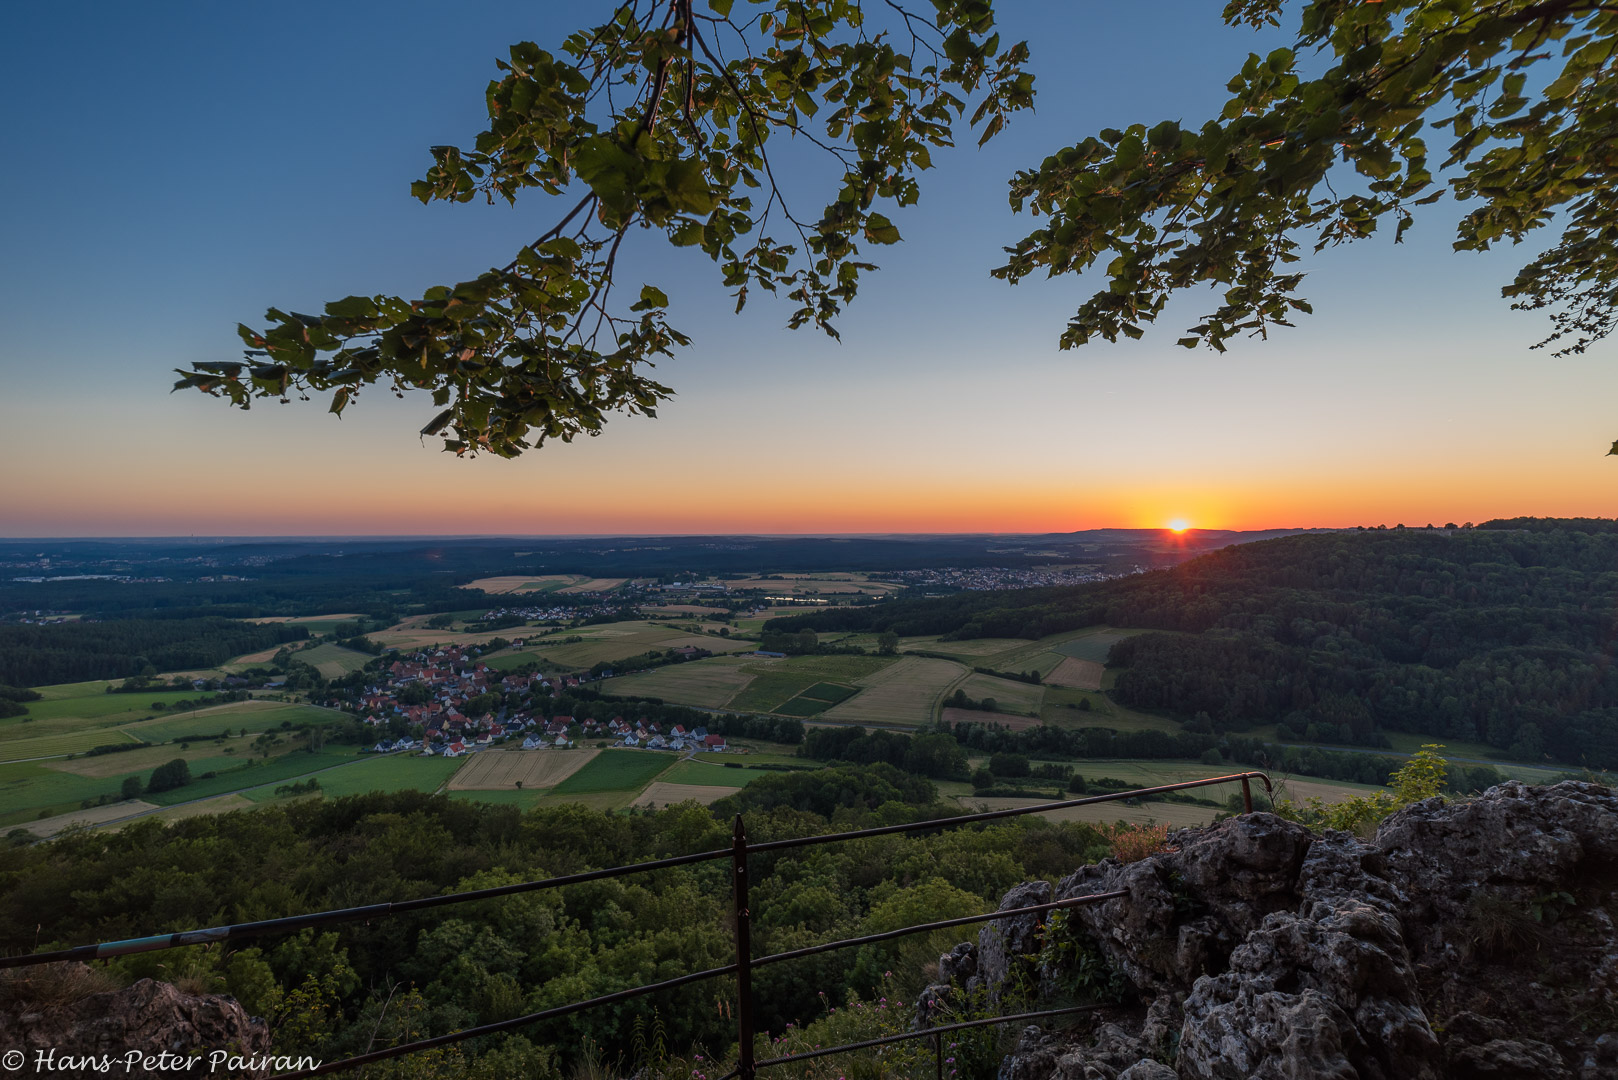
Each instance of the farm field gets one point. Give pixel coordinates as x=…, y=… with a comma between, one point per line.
x=524, y=799
x=614, y=771
x=778, y=681
x=95, y=815
x=333, y=661
x=1103, y=712
x=607, y=644
x=29, y=791
x=1077, y=674
x=1094, y=645
x=906, y=692
x=1009, y=694
x=666, y=794
x=242, y=778
x=1175, y=815
x=710, y=682
x=48, y=746
x=702, y=772
x=315, y=624
x=255, y=716
x=500, y=769
x=76, y=706
x=383, y=772
x=522, y=583
x=202, y=757
x=224, y=804
x=977, y=716
x=839, y=583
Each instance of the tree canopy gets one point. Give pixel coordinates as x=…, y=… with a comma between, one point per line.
x=661, y=117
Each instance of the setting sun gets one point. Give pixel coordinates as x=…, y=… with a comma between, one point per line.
x=1179, y=525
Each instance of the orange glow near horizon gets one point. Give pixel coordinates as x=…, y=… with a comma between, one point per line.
x=1179, y=525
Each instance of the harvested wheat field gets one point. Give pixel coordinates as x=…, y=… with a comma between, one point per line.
x=662, y=793
x=1010, y=721
x=497, y=770
x=1078, y=674
x=95, y=815
x=521, y=583
x=903, y=693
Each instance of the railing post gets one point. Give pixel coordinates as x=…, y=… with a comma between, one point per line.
x=938, y=1056
x=745, y=1068
x=1247, y=795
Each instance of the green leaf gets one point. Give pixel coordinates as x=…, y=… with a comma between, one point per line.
x=879, y=230
x=650, y=297
x=720, y=8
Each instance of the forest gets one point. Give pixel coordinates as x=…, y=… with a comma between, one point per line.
x=1500, y=634
x=32, y=655
x=333, y=992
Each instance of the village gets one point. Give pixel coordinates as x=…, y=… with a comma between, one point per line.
x=460, y=705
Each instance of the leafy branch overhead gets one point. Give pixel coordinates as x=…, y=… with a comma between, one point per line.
x=659, y=118
x=1231, y=203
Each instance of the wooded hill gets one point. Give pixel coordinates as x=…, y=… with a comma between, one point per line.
x=119, y=648
x=1502, y=634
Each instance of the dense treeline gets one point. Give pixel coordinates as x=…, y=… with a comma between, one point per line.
x=120, y=648
x=333, y=992
x=1502, y=634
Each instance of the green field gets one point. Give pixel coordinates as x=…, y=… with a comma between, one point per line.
x=775, y=682
x=830, y=692
x=704, y=773
x=709, y=683
x=1094, y=645
x=524, y=799
x=255, y=716
x=607, y=644
x=46, y=746
x=802, y=706
x=29, y=791
x=77, y=706
x=615, y=770
x=276, y=770
x=908, y=692
x=1008, y=694
x=388, y=772
x=333, y=661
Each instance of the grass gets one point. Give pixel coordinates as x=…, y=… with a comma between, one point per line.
x=525, y=799
x=255, y=716
x=607, y=644
x=708, y=683
x=707, y=774
x=802, y=706
x=776, y=682
x=1008, y=694
x=1094, y=645
x=29, y=791
x=86, y=705
x=46, y=746
x=615, y=770
x=388, y=772
x=273, y=771
x=333, y=661
x=829, y=692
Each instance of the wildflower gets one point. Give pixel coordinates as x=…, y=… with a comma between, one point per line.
x=949, y=1061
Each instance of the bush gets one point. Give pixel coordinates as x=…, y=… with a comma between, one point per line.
x=1009, y=765
x=170, y=775
x=131, y=788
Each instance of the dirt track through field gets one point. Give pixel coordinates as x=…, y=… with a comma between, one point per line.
x=499, y=770
x=1078, y=674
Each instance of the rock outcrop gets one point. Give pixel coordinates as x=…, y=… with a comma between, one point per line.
x=1466, y=940
x=153, y=1016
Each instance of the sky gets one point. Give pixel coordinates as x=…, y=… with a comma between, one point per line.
x=177, y=168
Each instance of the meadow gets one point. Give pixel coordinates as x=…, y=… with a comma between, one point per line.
x=615, y=771
x=333, y=661
x=605, y=644
x=382, y=772
x=710, y=682
x=777, y=681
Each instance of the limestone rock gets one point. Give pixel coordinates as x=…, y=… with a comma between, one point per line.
x=1466, y=940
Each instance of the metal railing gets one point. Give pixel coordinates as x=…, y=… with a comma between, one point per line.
x=747, y=1066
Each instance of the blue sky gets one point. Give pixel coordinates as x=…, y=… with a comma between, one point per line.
x=175, y=168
